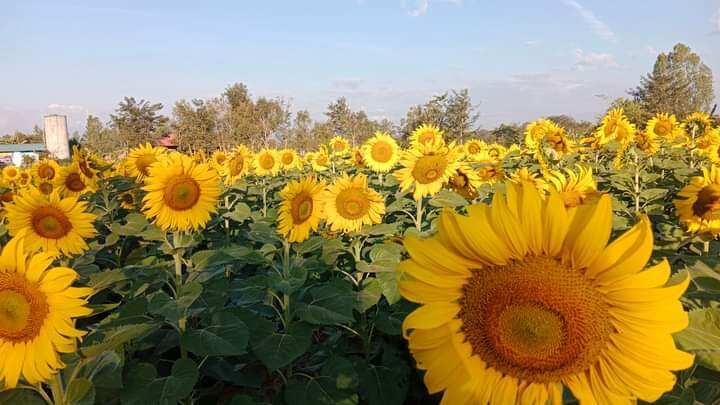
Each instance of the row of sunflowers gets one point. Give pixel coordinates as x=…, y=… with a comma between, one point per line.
x=563, y=269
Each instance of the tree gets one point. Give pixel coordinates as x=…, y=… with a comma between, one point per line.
x=272, y=118
x=100, y=139
x=635, y=111
x=299, y=137
x=573, y=127
x=137, y=122
x=680, y=83
x=195, y=124
x=453, y=112
x=505, y=134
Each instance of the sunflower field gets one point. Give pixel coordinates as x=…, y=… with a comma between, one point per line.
x=562, y=270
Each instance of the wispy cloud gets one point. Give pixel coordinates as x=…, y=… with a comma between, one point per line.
x=347, y=83
x=600, y=28
x=716, y=22
x=531, y=42
x=586, y=60
x=420, y=7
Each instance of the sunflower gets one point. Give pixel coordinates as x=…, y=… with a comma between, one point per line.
x=10, y=174
x=139, y=159
x=357, y=158
x=128, y=200
x=45, y=170
x=289, y=159
x=535, y=132
x=427, y=167
x=339, y=146
x=181, y=193
x=426, y=135
x=45, y=187
x=381, y=152
x=473, y=146
x=496, y=151
x=301, y=208
x=606, y=131
x=525, y=175
x=491, y=173
x=84, y=163
x=647, y=142
x=267, y=162
x=23, y=179
x=349, y=204
x=699, y=122
x=218, y=159
x=573, y=186
x=519, y=299
x=50, y=223
x=71, y=182
x=666, y=127
x=558, y=140
x=37, y=311
x=320, y=161
x=238, y=164
x=465, y=181
x=699, y=205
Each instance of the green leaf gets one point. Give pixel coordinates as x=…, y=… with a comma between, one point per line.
x=135, y=223
x=143, y=387
x=702, y=337
x=21, y=396
x=289, y=284
x=226, y=335
x=388, y=282
x=278, y=349
x=189, y=292
x=240, y=212
x=80, y=391
x=336, y=384
x=330, y=304
x=106, y=279
x=369, y=294
x=242, y=400
x=447, y=198
x=205, y=259
x=384, y=384
x=380, y=229
x=312, y=244
x=116, y=337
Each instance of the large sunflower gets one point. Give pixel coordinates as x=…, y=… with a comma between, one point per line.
x=426, y=134
x=427, y=167
x=237, y=165
x=71, y=182
x=181, y=193
x=45, y=170
x=267, y=163
x=339, y=146
x=699, y=205
x=37, y=311
x=573, y=186
x=381, y=152
x=519, y=299
x=301, y=208
x=349, y=204
x=666, y=126
x=50, y=223
x=10, y=173
x=139, y=159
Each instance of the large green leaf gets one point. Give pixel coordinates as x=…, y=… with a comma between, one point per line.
x=226, y=335
x=116, y=337
x=143, y=387
x=336, y=384
x=329, y=304
x=278, y=349
x=702, y=337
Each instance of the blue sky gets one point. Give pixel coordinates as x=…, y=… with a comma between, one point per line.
x=519, y=59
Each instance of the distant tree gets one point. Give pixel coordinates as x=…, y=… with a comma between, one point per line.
x=573, y=127
x=453, y=112
x=100, y=139
x=137, y=122
x=272, y=118
x=195, y=125
x=37, y=135
x=636, y=111
x=505, y=134
x=299, y=137
x=680, y=83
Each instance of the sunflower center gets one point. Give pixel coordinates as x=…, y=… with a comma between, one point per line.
x=235, y=165
x=85, y=169
x=287, y=158
x=429, y=168
x=46, y=172
x=45, y=188
x=267, y=161
x=12, y=172
x=662, y=128
x=426, y=137
x=74, y=182
x=7, y=196
x=338, y=146
x=459, y=180
x=707, y=204
x=219, y=159
x=50, y=222
x=302, y=208
x=534, y=319
x=182, y=193
x=23, y=308
x=352, y=203
x=473, y=149
x=144, y=162
x=321, y=160
x=381, y=152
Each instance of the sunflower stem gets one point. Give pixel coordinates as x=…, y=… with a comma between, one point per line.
x=264, y=198
x=286, y=275
x=56, y=387
x=418, y=214
x=706, y=247
x=177, y=258
x=637, y=183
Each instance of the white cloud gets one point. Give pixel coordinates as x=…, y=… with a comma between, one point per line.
x=653, y=51
x=421, y=6
x=65, y=107
x=593, y=60
x=600, y=28
x=531, y=42
x=347, y=83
